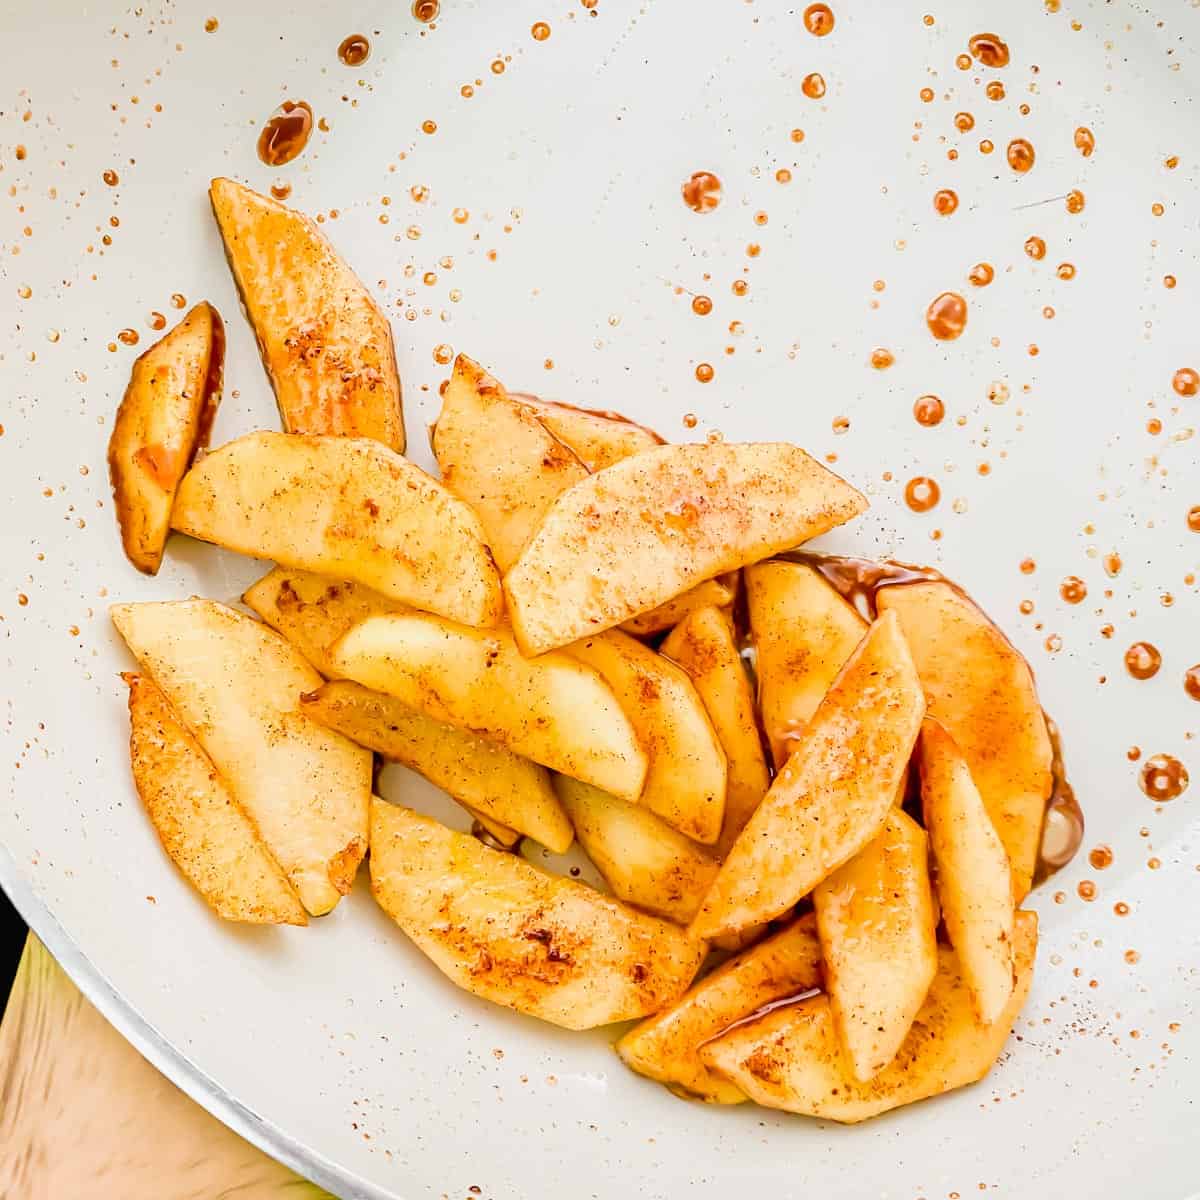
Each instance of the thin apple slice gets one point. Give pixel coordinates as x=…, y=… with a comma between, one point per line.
x=667, y=1045
x=718, y=593
x=326, y=345
x=792, y=1059
x=834, y=792
x=981, y=690
x=803, y=633
x=481, y=775
x=630, y=537
x=348, y=508
x=236, y=686
x=164, y=418
x=502, y=929
x=703, y=644
x=685, y=784
x=878, y=937
x=507, y=838
x=643, y=860
x=974, y=880
x=552, y=709
x=203, y=829
x=598, y=439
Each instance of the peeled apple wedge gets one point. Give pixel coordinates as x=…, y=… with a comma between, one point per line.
x=792, y=1058
x=496, y=456
x=164, y=418
x=630, y=537
x=203, y=829
x=538, y=943
x=667, y=1045
x=712, y=592
x=981, y=691
x=552, y=709
x=325, y=343
x=832, y=795
x=598, y=439
x=685, y=783
x=236, y=686
x=347, y=508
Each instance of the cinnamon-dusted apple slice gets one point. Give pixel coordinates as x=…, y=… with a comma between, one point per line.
x=630, y=537
x=326, y=345
x=981, y=690
x=718, y=593
x=164, y=418
x=834, y=792
x=598, y=439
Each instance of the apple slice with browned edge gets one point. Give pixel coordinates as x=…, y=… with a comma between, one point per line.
x=517, y=936
x=667, y=1045
x=481, y=775
x=703, y=644
x=552, y=709
x=685, y=784
x=164, y=418
x=496, y=455
x=879, y=940
x=834, y=792
x=716, y=593
x=643, y=860
x=203, y=829
x=974, y=880
x=630, y=537
x=236, y=686
x=326, y=345
x=598, y=439
x=981, y=690
x=803, y=632
x=792, y=1058
x=347, y=508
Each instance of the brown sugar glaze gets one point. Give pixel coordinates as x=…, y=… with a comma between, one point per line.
x=286, y=133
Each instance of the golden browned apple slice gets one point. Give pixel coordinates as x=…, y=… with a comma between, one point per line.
x=685, y=784
x=498, y=457
x=974, y=880
x=314, y=611
x=703, y=644
x=981, y=691
x=502, y=929
x=325, y=343
x=630, y=537
x=833, y=793
x=203, y=829
x=643, y=860
x=598, y=439
x=712, y=592
x=552, y=709
x=481, y=775
x=792, y=1059
x=236, y=686
x=878, y=937
x=164, y=418
x=347, y=508
x=507, y=838
x=667, y=1045
x=803, y=632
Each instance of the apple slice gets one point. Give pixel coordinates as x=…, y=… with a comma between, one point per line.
x=643, y=860
x=718, y=593
x=630, y=537
x=792, y=1058
x=834, y=792
x=325, y=343
x=552, y=709
x=703, y=645
x=803, y=632
x=203, y=829
x=598, y=439
x=348, y=508
x=667, y=1045
x=502, y=929
x=164, y=418
x=235, y=685
x=981, y=690
x=481, y=775
x=878, y=937
x=974, y=880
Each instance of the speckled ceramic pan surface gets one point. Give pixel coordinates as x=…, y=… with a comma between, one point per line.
x=539, y=227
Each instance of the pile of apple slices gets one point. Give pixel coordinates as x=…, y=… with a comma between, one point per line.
x=547, y=633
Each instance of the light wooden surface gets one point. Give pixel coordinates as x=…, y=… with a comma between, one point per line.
x=84, y=1117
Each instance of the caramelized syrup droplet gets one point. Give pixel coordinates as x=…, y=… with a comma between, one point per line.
x=1101, y=858
x=921, y=493
x=286, y=133
x=981, y=274
x=945, y=202
x=702, y=192
x=881, y=359
x=540, y=31
x=1035, y=248
x=818, y=20
x=426, y=11
x=1020, y=155
x=1073, y=590
x=128, y=337
x=1075, y=201
x=813, y=86
x=281, y=190
x=1169, y=281
x=704, y=372
x=1191, y=681
x=963, y=62
x=111, y=178
x=995, y=90
x=946, y=316
x=929, y=411
x=701, y=306
x=354, y=50
x=1142, y=660
x=1085, y=141
x=989, y=49
x=1065, y=271
x=986, y=147
x=1163, y=777
x=963, y=121
x=178, y=300
x=1186, y=382
x=1086, y=890
x=740, y=287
